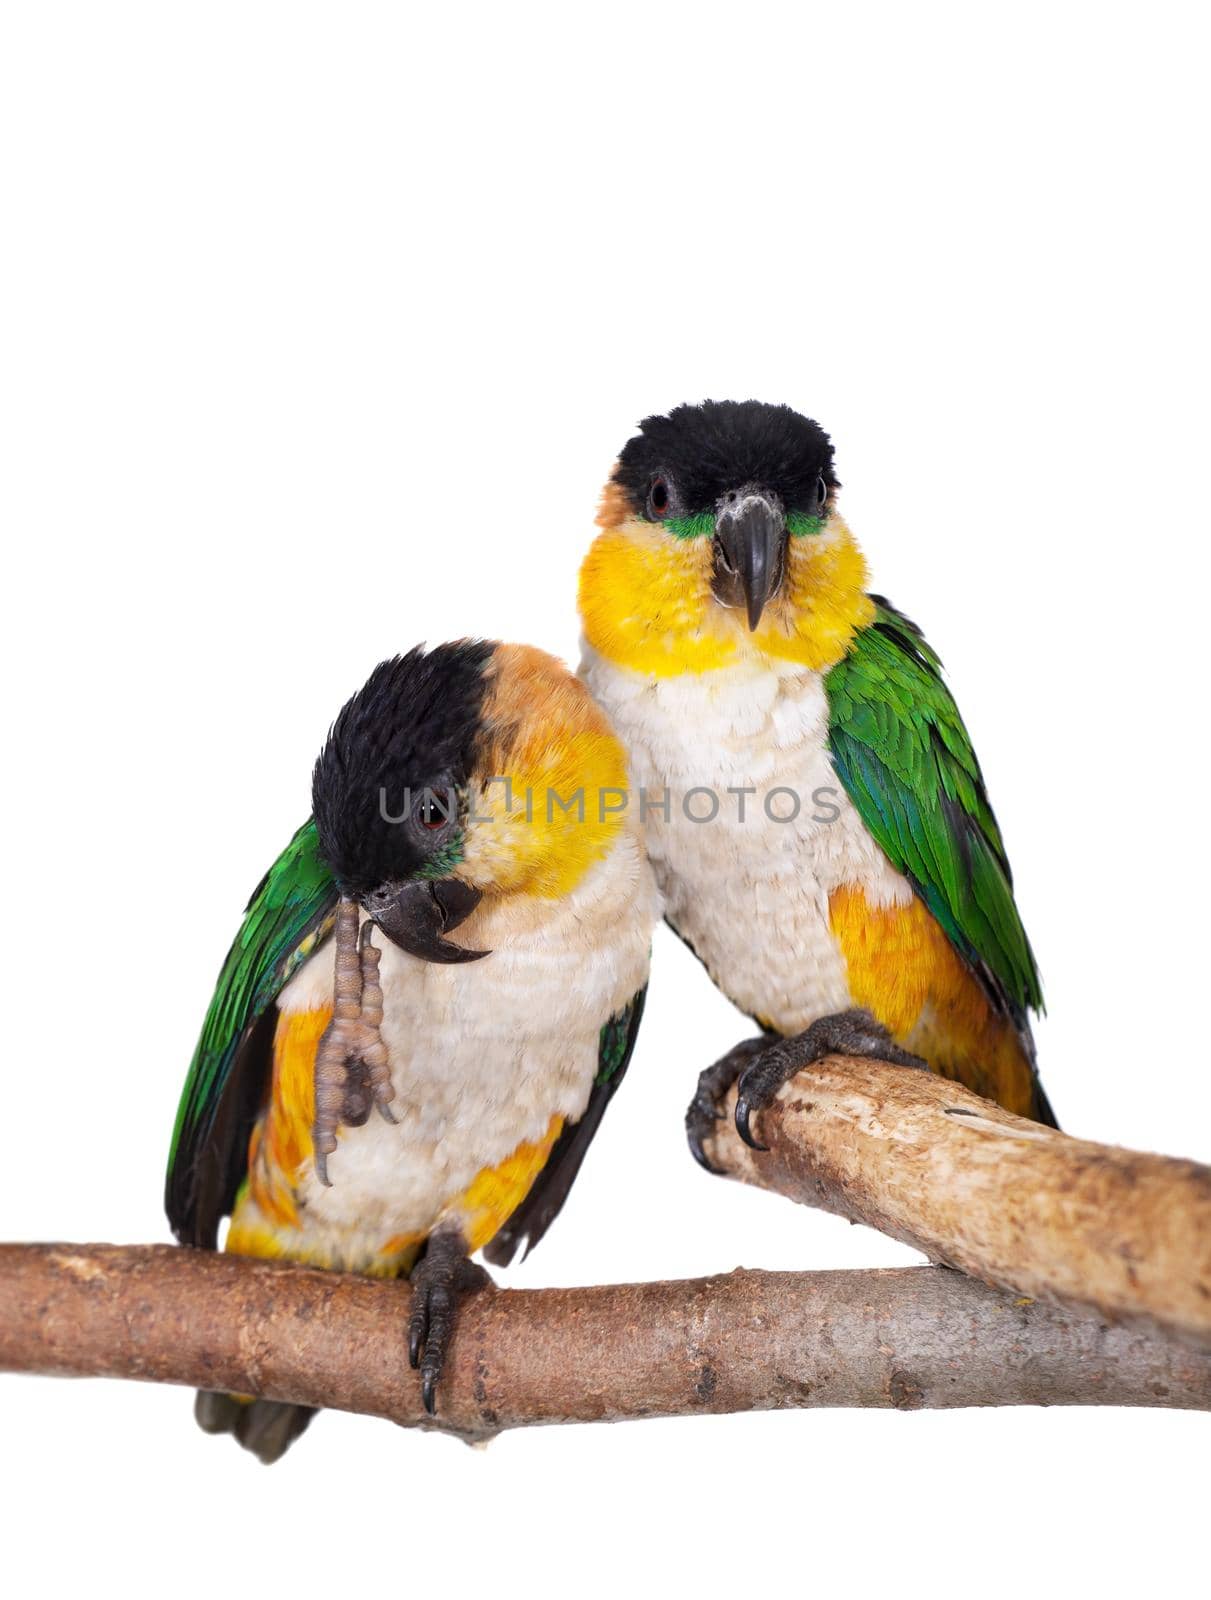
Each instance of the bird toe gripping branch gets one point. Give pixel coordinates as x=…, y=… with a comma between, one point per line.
x=705, y=1109
x=850, y=1033
x=442, y=1276
x=759, y=1068
x=352, y=1072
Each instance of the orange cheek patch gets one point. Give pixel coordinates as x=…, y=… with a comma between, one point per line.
x=615, y=507
x=903, y=969
x=567, y=774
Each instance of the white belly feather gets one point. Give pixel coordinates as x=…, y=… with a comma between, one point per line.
x=483, y=1055
x=750, y=895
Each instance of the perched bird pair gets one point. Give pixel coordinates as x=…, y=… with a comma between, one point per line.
x=437, y=987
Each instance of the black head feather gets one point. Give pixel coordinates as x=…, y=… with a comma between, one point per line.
x=413, y=726
x=703, y=452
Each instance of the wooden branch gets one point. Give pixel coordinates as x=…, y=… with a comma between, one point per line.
x=1116, y=1232
x=1096, y=1265
x=905, y=1338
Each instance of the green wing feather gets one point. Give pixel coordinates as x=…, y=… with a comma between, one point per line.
x=536, y=1213
x=291, y=911
x=901, y=751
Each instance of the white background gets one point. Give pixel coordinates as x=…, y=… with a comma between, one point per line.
x=321, y=327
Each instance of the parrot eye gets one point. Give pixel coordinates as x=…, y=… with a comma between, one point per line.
x=658, y=500
x=821, y=493
x=434, y=809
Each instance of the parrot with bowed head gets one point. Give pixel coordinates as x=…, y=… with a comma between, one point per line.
x=434, y=994
x=852, y=892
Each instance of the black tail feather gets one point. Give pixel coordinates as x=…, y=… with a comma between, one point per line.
x=266, y=1427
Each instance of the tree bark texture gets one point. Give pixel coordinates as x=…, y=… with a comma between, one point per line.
x=903, y=1338
x=1119, y=1233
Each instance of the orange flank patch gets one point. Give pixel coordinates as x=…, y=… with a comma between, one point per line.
x=905, y=971
x=496, y=1192
x=287, y=1128
x=281, y=1140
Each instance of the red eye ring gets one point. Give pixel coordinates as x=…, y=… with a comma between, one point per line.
x=658, y=500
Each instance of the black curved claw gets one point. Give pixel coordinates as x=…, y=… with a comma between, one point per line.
x=854, y=1033
x=439, y=1325
x=417, y=1328
x=713, y=1084
x=743, y=1112
x=700, y=1120
x=428, y=1388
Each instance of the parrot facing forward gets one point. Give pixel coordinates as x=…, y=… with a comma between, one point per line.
x=490, y=951
x=814, y=809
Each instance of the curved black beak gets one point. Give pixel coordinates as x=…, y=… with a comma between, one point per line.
x=416, y=915
x=750, y=551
